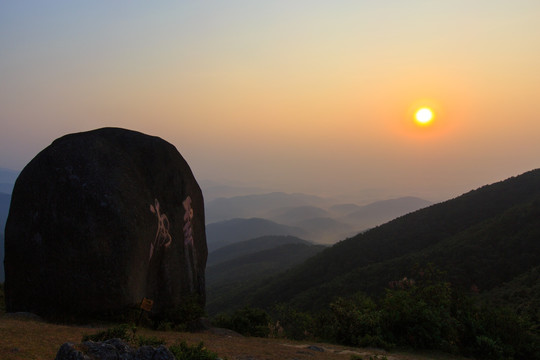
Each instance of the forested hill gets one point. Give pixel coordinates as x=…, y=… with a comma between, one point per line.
x=482, y=239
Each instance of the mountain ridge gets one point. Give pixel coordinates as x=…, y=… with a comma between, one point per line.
x=246, y=247
x=323, y=223
x=227, y=232
x=387, y=252
x=256, y=205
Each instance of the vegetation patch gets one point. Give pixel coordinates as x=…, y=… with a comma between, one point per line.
x=247, y=321
x=183, y=351
x=123, y=331
x=181, y=318
x=149, y=341
x=424, y=313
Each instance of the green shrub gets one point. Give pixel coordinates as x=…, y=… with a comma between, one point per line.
x=374, y=357
x=181, y=317
x=294, y=324
x=222, y=320
x=376, y=341
x=118, y=332
x=183, y=351
x=149, y=341
x=165, y=326
x=507, y=332
x=487, y=348
x=419, y=315
x=247, y=321
x=428, y=313
x=353, y=320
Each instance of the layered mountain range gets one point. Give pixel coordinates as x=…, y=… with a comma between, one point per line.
x=321, y=220
x=486, y=241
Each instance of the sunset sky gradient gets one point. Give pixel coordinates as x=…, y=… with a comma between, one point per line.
x=299, y=96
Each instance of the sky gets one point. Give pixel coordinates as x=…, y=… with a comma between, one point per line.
x=297, y=96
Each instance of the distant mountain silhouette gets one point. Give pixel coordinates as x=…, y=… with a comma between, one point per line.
x=213, y=190
x=325, y=230
x=344, y=209
x=260, y=205
x=321, y=221
x=379, y=212
x=228, y=232
x=247, y=247
x=345, y=220
x=483, y=239
x=292, y=215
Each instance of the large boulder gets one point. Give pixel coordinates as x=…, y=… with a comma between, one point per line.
x=100, y=220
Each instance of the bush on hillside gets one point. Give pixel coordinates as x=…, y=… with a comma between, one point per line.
x=183, y=351
x=153, y=341
x=419, y=315
x=293, y=324
x=422, y=313
x=354, y=321
x=182, y=317
x=430, y=314
x=122, y=331
x=247, y=321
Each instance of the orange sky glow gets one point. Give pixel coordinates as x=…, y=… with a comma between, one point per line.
x=303, y=96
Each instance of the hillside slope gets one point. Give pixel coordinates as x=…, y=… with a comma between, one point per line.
x=326, y=230
x=226, y=277
x=483, y=238
x=228, y=232
x=260, y=263
x=247, y=247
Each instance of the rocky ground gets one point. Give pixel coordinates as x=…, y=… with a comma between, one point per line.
x=27, y=337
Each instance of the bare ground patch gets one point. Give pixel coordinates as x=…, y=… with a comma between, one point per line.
x=23, y=338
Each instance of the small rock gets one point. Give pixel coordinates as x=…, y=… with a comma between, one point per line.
x=68, y=352
x=22, y=315
x=112, y=349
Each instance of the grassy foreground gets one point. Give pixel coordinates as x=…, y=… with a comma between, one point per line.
x=31, y=339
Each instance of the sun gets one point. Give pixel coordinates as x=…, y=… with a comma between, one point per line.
x=424, y=116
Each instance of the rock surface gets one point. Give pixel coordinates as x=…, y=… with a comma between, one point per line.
x=112, y=349
x=98, y=221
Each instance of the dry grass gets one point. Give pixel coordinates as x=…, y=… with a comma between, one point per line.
x=36, y=340
x=30, y=339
